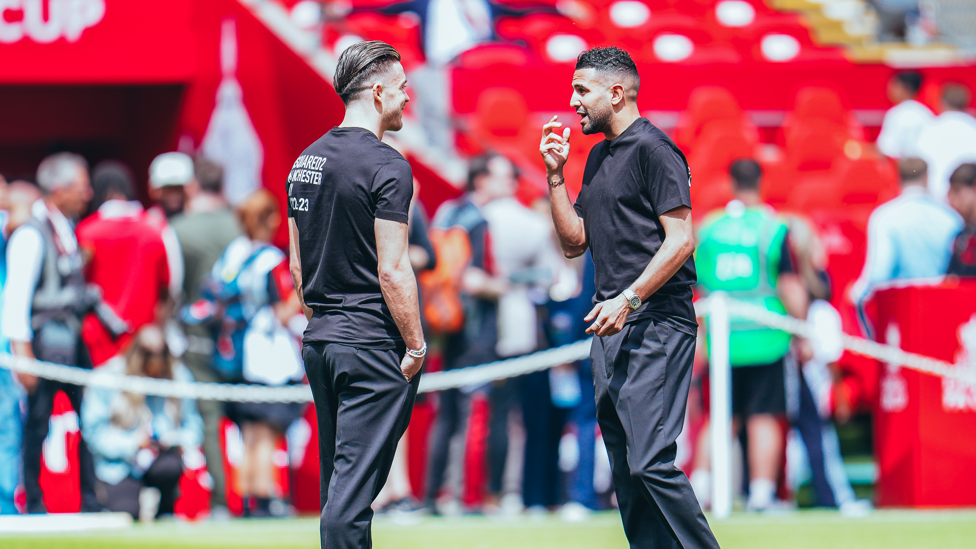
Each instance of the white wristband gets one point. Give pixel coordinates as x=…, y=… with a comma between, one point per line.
x=418, y=354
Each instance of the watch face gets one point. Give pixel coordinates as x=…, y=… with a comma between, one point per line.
x=635, y=302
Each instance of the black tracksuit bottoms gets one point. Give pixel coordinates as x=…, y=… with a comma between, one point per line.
x=641, y=377
x=363, y=405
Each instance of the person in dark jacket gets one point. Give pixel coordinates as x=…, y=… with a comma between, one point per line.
x=962, y=197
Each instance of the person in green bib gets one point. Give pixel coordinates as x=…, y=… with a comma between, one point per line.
x=744, y=252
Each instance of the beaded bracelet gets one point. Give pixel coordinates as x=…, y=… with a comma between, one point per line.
x=418, y=354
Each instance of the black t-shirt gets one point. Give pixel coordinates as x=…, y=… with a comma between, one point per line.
x=336, y=190
x=628, y=183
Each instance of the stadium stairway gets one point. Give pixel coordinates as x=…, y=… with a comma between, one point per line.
x=440, y=176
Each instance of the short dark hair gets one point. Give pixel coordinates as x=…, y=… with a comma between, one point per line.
x=609, y=60
x=746, y=174
x=912, y=169
x=911, y=80
x=209, y=175
x=481, y=165
x=108, y=177
x=359, y=64
x=964, y=175
x=955, y=96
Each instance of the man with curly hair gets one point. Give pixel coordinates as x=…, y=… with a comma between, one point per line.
x=634, y=216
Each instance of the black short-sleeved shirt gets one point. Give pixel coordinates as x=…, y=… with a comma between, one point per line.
x=336, y=190
x=628, y=183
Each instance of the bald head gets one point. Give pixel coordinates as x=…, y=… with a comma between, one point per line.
x=955, y=97
x=21, y=195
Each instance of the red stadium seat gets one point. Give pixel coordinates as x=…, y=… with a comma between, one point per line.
x=710, y=195
x=536, y=29
x=811, y=196
x=778, y=180
x=400, y=31
x=487, y=55
x=721, y=142
x=815, y=146
x=819, y=105
x=867, y=182
x=531, y=27
x=852, y=184
x=745, y=37
x=502, y=112
x=708, y=104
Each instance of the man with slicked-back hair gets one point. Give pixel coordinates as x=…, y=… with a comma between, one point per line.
x=348, y=199
x=634, y=216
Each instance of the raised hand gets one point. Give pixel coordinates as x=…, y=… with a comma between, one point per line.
x=554, y=147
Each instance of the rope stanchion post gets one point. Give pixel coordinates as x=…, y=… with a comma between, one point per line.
x=720, y=382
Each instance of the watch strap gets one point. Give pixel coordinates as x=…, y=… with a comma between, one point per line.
x=632, y=298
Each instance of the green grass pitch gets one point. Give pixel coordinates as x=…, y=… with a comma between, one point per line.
x=797, y=530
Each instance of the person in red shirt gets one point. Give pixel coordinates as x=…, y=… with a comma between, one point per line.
x=125, y=255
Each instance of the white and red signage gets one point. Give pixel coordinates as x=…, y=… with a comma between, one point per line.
x=45, y=21
x=923, y=422
x=97, y=41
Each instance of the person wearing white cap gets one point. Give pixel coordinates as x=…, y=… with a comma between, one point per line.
x=169, y=174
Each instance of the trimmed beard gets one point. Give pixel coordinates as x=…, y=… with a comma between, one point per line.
x=599, y=121
x=393, y=121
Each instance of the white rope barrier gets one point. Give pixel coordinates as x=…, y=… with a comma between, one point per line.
x=464, y=377
x=159, y=387
x=436, y=381
x=858, y=345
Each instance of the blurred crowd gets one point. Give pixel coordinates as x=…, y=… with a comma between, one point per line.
x=192, y=289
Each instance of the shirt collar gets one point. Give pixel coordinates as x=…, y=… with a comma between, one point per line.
x=206, y=203
x=63, y=229
x=112, y=209
x=626, y=134
x=957, y=116
x=914, y=190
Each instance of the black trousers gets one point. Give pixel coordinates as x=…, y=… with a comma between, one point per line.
x=40, y=404
x=163, y=474
x=641, y=377
x=363, y=405
x=461, y=350
x=452, y=417
x=501, y=400
x=810, y=426
x=544, y=424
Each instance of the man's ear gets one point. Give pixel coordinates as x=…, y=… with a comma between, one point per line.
x=617, y=94
x=377, y=91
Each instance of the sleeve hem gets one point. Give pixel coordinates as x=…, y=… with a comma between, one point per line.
x=392, y=216
x=673, y=204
